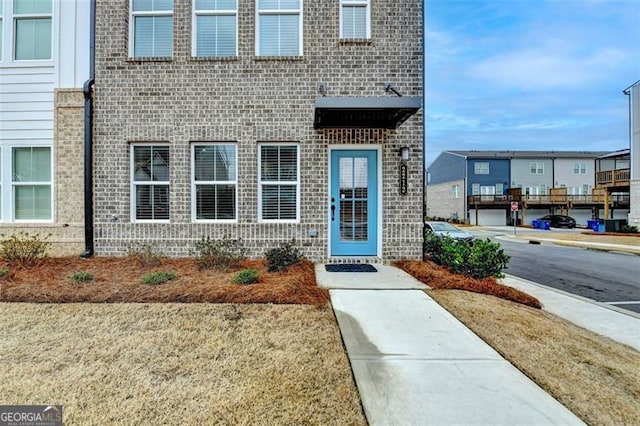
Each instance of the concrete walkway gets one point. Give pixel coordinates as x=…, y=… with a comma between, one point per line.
x=416, y=364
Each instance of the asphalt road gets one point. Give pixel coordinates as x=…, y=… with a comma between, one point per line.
x=608, y=277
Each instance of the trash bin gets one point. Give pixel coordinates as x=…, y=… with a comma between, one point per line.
x=593, y=225
x=614, y=225
x=535, y=224
x=545, y=224
x=600, y=227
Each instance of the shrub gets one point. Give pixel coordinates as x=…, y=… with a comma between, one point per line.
x=482, y=259
x=280, y=258
x=158, y=277
x=223, y=255
x=145, y=255
x=4, y=272
x=23, y=249
x=629, y=229
x=246, y=276
x=81, y=276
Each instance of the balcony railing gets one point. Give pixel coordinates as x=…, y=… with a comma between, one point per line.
x=609, y=178
x=536, y=200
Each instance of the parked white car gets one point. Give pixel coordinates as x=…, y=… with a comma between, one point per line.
x=445, y=228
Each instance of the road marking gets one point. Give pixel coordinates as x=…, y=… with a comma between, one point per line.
x=624, y=303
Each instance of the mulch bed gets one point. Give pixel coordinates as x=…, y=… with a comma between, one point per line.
x=438, y=277
x=119, y=279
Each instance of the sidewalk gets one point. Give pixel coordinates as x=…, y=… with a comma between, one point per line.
x=414, y=363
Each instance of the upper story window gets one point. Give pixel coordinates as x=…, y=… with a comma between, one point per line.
x=32, y=29
x=214, y=183
x=279, y=31
x=151, y=28
x=580, y=168
x=355, y=19
x=279, y=183
x=481, y=168
x=150, y=183
x=456, y=191
x=536, y=168
x=215, y=28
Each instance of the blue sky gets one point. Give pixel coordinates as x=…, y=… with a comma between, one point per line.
x=529, y=74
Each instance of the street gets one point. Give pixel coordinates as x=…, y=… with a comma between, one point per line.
x=608, y=277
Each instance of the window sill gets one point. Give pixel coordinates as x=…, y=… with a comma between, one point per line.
x=356, y=42
x=279, y=58
x=214, y=58
x=134, y=60
x=26, y=64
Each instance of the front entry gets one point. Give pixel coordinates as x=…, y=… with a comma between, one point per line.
x=354, y=203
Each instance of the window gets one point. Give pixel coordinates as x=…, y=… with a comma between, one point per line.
x=214, y=183
x=475, y=189
x=536, y=168
x=1, y=30
x=150, y=182
x=31, y=182
x=585, y=189
x=355, y=19
x=279, y=31
x=215, y=28
x=481, y=168
x=500, y=188
x=279, y=183
x=151, y=28
x=543, y=189
x=32, y=29
x=456, y=191
x=580, y=168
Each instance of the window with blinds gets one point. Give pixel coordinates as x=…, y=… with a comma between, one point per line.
x=355, y=18
x=31, y=181
x=32, y=29
x=214, y=182
x=215, y=28
x=151, y=28
x=279, y=183
x=150, y=182
x=279, y=31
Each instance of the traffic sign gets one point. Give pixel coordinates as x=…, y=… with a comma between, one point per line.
x=514, y=206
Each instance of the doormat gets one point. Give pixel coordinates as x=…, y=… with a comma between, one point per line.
x=350, y=267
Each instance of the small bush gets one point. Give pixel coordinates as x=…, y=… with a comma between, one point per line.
x=158, y=277
x=23, y=249
x=223, y=255
x=81, y=276
x=280, y=258
x=482, y=259
x=146, y=255
x=4, y=272
x=246, y=277
x=629, y=229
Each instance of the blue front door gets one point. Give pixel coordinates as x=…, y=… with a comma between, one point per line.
x=354, y=202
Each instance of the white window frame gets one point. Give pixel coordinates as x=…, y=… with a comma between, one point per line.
x=194, y=183
x=456, y=191
x=475, y=189
x=356, y=3
x=536, y=168
x=261, y=184
x=481, y=168
x=194, y=28
x=14, y=31
x=2, y=37
x=135, y=183
x=579, y=168
x=298, y=12
x=155, y=13
x=9, y=185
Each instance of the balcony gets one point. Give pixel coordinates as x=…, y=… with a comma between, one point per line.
x=613, y=178
x=528, y=201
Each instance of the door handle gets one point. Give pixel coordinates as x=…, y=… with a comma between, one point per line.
x=333, y=209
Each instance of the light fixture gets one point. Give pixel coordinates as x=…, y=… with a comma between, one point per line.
x=404, y=153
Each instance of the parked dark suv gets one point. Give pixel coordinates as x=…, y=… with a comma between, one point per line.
x=560, y=221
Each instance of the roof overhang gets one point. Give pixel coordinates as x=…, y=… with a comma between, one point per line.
x=382, y=112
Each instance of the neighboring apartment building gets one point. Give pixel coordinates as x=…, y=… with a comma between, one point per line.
x=542, y=182
x=264, y=120
x=44, y=61
x=633, y=92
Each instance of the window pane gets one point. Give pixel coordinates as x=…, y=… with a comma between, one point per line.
x=142, y=163
x=32, y=164
x=32, y=202
x=354, y=21
x=216, y=35
x=269, y=163
x=215, y=4
x=152, y=5
x=289, y=35
x=269, y=35
x=153, y=36
x=279, y=35
x=33, y=39
x=31, y=6
x=279, y=4
x=288, y=163
x=215, y=163
x=215, y=202
x=279, y=202
x=152, y=202
x=160, y=164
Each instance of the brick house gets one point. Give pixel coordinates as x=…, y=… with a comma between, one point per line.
x=44, y=62
x=264, y=120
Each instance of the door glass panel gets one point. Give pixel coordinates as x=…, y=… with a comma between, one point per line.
x=353, y=198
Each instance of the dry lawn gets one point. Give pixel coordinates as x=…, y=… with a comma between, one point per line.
x=178, y=363
x=596, y=378
x=119, y=279
x=595, y=237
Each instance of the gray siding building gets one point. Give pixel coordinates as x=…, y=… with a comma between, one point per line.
x=260, y=120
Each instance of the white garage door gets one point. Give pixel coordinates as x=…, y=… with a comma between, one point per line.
x=489, y=217
x=533, y=214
